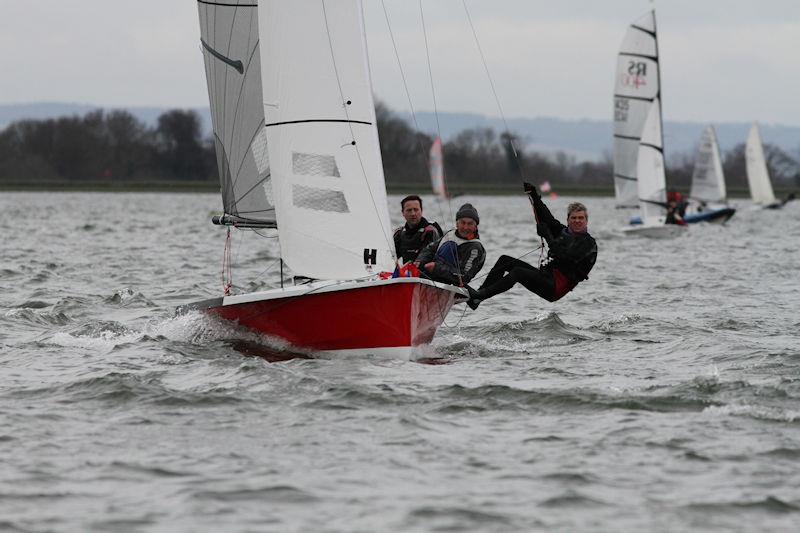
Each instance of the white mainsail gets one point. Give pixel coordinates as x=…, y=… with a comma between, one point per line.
x=708, y=179
x=327, y=175
x=636, y=85
x=652, y=183
x=757, y=172
x=436, y=167
x=230, y=44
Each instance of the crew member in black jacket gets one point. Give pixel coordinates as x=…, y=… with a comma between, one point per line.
x=417, y=232
x=571, y=255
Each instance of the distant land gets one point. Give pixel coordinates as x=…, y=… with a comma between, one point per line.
x=583, y=139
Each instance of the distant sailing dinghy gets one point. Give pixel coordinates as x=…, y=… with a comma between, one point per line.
x=651, y=182
x=757, y=172
x=638, y=139
x=708, y=184
x=297, y=149
x=436, y=168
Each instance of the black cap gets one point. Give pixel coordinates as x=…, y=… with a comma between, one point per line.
x=467, y=211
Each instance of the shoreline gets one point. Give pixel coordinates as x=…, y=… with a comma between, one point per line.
x=416, y=188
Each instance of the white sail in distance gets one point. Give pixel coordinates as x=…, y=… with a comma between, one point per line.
x=757, y=171
x=230, y=45
x=436, y=167
x=708, y=179
x=652, y=183
x=327, y=174
x=637, y=84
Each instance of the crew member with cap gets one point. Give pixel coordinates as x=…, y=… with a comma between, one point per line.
x=417, y=232
x=571, y=255
x=459, y=254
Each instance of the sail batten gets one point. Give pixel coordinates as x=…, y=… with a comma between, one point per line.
x=230, y=45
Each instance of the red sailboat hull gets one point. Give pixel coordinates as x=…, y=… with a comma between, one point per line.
x=384, y=317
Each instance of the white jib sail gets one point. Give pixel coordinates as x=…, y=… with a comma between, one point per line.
x=436, y=167
x=757, y=172
x=229, y=40
x=327, y=175
x=636, y=84
x=652, y=183
x=708, y=180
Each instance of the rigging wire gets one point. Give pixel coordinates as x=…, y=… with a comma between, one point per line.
x=423, y=151
x=494, y=91
x=510, y=137
x=433, y=94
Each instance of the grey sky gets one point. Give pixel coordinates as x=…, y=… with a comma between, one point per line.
x=722, y=60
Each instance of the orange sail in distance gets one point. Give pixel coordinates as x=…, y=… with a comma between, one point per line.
x=436, y=167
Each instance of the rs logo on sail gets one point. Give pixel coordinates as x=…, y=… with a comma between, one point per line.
x=636, y=74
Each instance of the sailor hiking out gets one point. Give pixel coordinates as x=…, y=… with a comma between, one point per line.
x=571, y=255
x=459, y=255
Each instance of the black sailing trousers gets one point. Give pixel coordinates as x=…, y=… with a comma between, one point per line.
x=508, y=271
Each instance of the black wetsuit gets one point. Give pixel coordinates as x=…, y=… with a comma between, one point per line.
x=571, y=257
x=408, y=242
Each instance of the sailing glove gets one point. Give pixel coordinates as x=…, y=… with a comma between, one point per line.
x=530, y=190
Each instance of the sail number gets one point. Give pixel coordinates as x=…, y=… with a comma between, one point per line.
x=621, y=106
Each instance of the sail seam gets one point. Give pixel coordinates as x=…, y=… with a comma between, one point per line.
x=620, y=176
x=318, y=120
x=628, y=137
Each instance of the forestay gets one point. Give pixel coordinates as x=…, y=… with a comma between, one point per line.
x=636, y=85
x=708, y=180
x=436, y=164
x=757, y=172
x=230, y=44
x=327, y=175
x=652, y=183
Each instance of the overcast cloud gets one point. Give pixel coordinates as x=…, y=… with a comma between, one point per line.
x=722, y=60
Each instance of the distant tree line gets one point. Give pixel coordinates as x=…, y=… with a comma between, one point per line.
x=117, y=147
x=106, y=147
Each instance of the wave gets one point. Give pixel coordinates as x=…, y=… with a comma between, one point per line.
x=759, y=412
x=770, y=503
x=269, y=494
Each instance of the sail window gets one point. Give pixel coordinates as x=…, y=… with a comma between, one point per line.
x=319, y=199
x=260, y=153
x=314, y=165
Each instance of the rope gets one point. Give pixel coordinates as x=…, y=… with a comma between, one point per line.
x=494, y=92
x=227, y=271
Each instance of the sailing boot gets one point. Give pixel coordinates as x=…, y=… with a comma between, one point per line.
x=475, y=297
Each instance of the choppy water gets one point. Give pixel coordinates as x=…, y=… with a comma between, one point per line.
x=661, y=395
